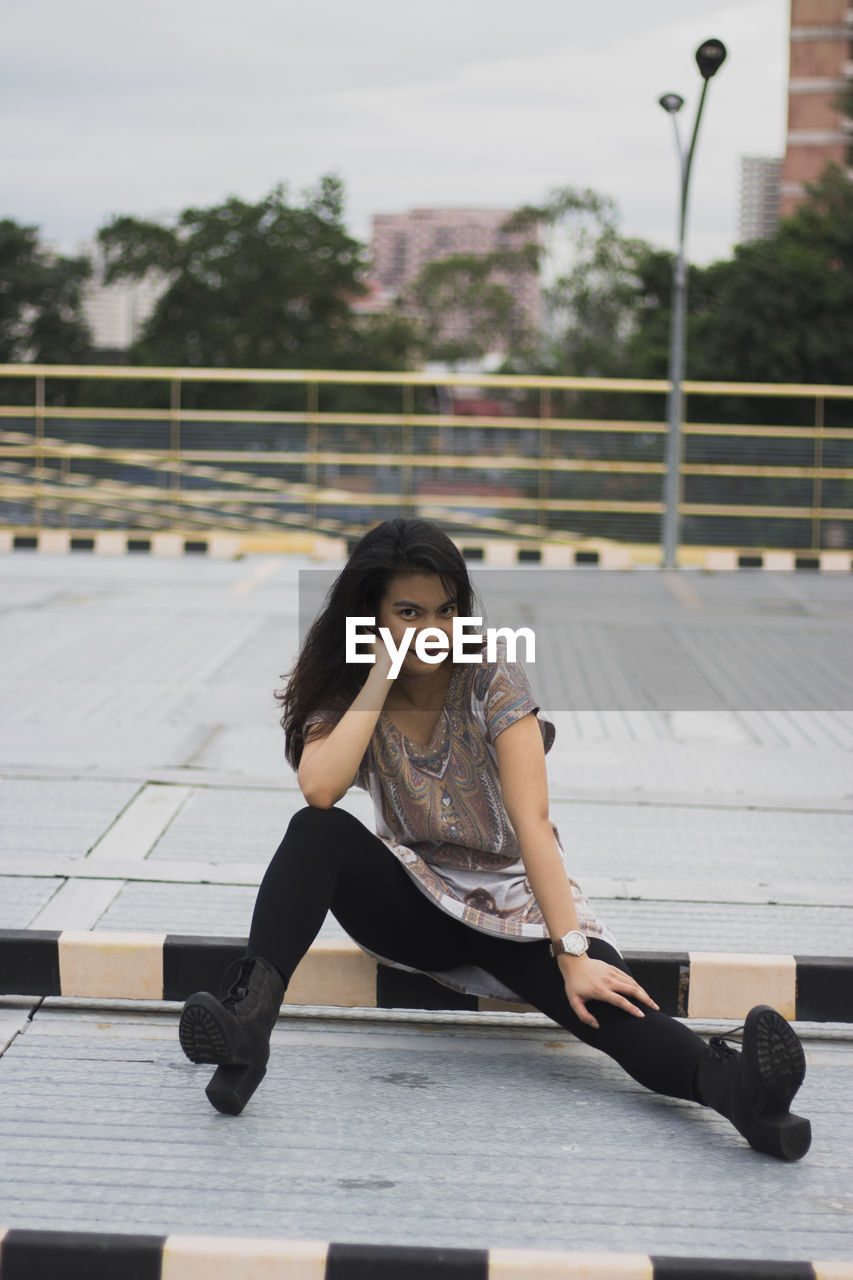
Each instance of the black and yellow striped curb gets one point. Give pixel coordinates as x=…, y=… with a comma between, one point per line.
x=45, y=1255
x=99, y=965
x=602, y=554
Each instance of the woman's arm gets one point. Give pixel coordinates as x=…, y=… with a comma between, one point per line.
x=524, y=785
x=330, y=760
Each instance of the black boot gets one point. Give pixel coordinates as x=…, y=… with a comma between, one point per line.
x=234, y=1032
x=754, y=1088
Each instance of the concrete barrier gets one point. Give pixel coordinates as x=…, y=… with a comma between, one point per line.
x=504, y=552
x=155, y=966
x=44, y=1255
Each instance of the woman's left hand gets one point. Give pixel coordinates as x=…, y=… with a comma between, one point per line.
x=588, y=979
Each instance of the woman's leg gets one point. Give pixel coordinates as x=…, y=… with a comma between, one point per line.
x=752, y=1089
x=656, y=1050
x=328, y=860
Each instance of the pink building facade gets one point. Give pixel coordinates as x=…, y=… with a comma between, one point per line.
x=404, y=243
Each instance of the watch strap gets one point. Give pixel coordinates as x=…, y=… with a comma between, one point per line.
x=559, y=948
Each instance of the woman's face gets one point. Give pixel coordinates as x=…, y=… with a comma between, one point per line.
x=418, y=600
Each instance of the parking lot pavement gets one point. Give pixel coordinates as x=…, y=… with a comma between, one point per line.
x=405, y=1132
x=143, y=787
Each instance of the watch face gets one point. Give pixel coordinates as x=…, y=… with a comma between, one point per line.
x=575, y=943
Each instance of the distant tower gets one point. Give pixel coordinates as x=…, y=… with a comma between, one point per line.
x=760, y=177
x=821, y=68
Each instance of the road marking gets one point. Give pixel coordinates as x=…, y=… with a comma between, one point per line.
x=259, y=575
x=135, y=832
x=80, y=903
x=676, y=583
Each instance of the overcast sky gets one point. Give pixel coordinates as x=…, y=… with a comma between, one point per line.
x=146, y=108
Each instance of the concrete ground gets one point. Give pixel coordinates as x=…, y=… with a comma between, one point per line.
x=701, y=780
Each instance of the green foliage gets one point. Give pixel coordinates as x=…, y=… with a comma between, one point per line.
x=592, y=281
x=265, y=285
x=779, y=310
x=40, y=301
x=646, y=351
x=825, y=221
x=468, y=288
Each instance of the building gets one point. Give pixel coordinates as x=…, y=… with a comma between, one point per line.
x=821, y=71
x=760, y=179
x=402, y=244
x=116, y=313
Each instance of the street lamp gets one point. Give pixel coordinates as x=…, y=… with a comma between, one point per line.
x=710, y=56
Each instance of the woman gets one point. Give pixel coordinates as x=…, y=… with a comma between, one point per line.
x=465, y=878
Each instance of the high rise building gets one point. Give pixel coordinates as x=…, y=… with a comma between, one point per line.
x=760, y=178
x=116, y=313
x=821, y=71
x=403, y=243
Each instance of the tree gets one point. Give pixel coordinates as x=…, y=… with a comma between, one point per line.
x=778, y=310
x=41, y=297
x=824, y=221
x=465, y=309
x=591, y=280
x=266, y=285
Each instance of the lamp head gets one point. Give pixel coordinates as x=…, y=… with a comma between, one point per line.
x=671, y=102
x=710, y=56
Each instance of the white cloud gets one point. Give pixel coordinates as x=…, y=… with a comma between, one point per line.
x=153, y=107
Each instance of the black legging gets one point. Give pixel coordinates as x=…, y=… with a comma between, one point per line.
x=328, y=860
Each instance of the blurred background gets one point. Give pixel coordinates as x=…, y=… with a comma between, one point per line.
x=293, y=269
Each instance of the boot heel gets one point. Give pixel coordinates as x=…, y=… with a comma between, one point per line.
x=232, y=1087
x=786, y=1136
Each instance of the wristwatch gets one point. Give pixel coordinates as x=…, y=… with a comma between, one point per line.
x=573, y=943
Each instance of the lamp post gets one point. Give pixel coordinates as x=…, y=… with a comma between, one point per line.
x=710, y=56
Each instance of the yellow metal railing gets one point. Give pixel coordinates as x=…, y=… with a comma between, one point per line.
x=539, y=458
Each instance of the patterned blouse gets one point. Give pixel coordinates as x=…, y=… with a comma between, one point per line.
x=438, y=808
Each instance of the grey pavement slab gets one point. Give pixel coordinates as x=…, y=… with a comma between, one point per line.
x=416, y=1134
x=40, y=818
x=725, y=926
x=713, y=845
x=237, y=825
x=22, y=897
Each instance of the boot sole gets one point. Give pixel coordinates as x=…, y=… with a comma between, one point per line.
x=202, y=1036
x=781, y=1064
x=778, y=1055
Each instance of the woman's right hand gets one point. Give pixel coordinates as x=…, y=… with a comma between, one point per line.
x=382, y=664
x=588, y=979
x=330, y=760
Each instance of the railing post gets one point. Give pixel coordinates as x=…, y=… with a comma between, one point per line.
x=313, y=439
x=38, y=452
x=817, y=483
x=175, y=451
x=406, y=449
x=671, y=530
x=543, y=470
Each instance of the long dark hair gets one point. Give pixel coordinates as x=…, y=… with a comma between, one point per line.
x=321, y=677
